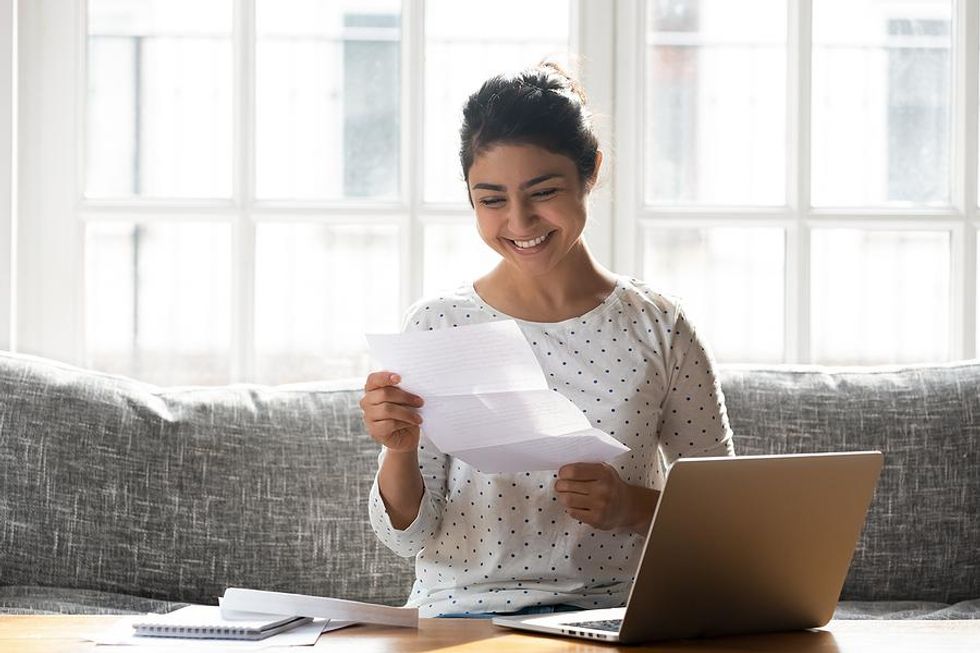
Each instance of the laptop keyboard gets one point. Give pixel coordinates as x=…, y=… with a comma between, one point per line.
x=611, y=625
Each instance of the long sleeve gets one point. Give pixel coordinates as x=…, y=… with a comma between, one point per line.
x=408, y=542
x=432, y=464
x=694, y=421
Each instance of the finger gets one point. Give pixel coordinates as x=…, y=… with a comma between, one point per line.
x=581, y=471
x=573, y=487
x=381, y=379
x=575, y=501
x=393, y=395
x=384, y=429
x=395, y=412
x=584, y=516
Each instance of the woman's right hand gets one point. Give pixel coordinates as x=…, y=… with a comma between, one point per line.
x=390, y=413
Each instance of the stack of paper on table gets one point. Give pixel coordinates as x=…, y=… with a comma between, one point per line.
x=487, y=401
x=246, y=618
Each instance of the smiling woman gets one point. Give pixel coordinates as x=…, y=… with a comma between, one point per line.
x=625, y=354
x=533, y=213
x=530, y=157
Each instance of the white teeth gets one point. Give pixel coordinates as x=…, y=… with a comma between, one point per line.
x=524, y=244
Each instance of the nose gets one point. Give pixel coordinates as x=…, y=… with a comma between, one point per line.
x=522, y=215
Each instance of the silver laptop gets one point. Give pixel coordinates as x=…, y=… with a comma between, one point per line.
x=737, y=545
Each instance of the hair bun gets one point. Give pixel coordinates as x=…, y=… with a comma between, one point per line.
x=555, y=71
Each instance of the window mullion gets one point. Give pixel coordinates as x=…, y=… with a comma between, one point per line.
x=964, y=187
x=243, y=233
x=410, y=235
x=798, y=102
x=630, y=53
x=593, y=24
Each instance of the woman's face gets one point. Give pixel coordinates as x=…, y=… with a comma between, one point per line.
x=530, y=205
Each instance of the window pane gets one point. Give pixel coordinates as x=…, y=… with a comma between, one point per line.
x=159, y=114
x=730, y=281
x=715, y=112
x=882, y=102
x=879, y=296
x=465, y=44
x=327, y=99
x=319, y=289
x=158, y=301
x=455, y=254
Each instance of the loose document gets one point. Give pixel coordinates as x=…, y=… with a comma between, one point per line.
x=487, y=401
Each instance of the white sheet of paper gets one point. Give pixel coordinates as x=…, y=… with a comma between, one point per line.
x=478, y=358
x=487, y=401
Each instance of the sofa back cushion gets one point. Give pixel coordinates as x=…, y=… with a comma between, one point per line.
x=176, y=493
x=922, y=537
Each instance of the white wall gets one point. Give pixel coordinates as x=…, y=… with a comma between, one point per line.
x=8, y=151
x=48, y=245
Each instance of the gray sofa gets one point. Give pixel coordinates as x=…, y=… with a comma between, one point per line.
x=118, y=496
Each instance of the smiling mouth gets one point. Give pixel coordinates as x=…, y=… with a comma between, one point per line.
x=530, y=245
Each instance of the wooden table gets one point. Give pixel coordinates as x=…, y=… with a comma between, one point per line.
x=61, y=634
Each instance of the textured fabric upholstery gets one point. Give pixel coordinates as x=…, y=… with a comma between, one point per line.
x=59, y=600
x=113, y=485
x=119, y=496
x=907, y=610
x=922, y=537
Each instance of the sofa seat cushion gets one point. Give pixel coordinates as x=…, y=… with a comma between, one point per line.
x=25, y=599
x=907, y=610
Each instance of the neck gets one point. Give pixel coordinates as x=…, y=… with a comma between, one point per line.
x=577, y=284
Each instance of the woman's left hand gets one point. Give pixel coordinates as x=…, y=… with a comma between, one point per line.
x=593, y=493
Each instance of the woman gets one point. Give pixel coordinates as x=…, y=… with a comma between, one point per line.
x=623, y=353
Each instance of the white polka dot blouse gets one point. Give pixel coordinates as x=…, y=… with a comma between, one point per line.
x=501, y=542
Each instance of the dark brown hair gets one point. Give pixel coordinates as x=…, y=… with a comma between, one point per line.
x=541, y=106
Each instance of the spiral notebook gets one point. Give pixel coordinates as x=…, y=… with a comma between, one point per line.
x=206, y=622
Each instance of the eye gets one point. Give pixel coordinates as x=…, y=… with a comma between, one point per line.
x=545, y=193
x=491, y=201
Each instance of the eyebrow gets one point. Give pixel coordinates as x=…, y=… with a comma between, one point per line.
x=525, y=185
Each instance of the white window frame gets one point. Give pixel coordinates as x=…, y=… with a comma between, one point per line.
x=797, y=218
x=46, y=301
x=51, y=270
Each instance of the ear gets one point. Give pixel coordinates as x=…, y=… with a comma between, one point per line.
x=590, y=184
